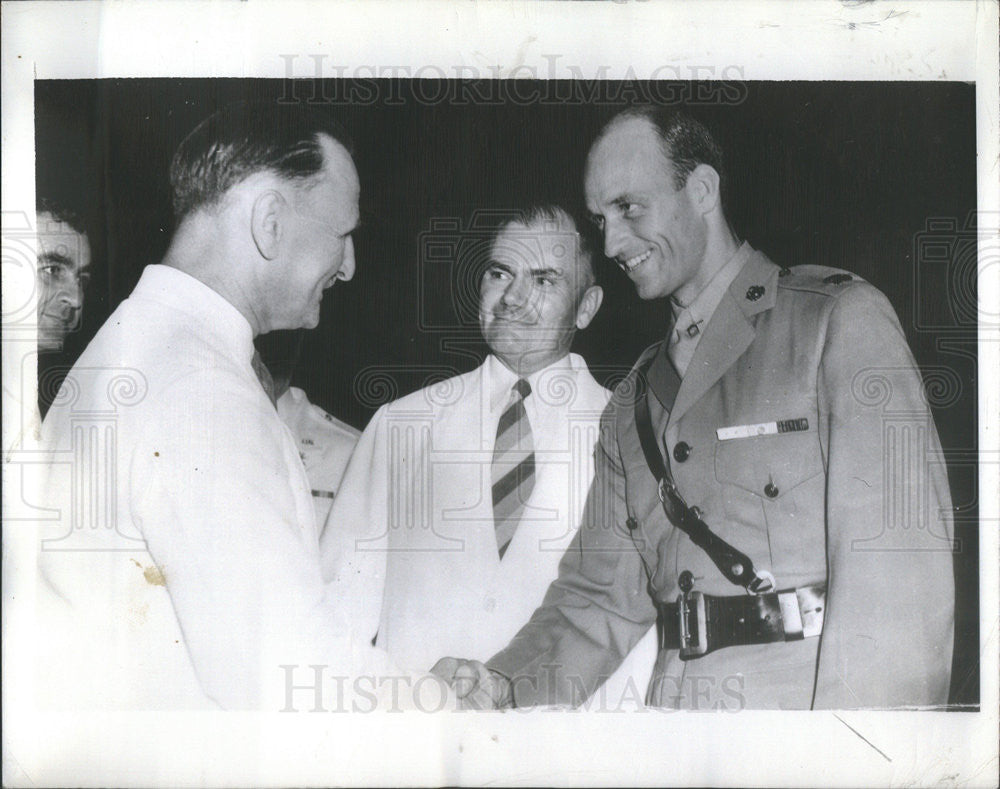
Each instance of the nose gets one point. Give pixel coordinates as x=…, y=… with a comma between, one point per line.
x=517, y=291
x=614, y=238
x=348, y=265
x=71, y=294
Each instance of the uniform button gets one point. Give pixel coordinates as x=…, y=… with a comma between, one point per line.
x=681, y=451
x=632, y=524
x=696, y=512
x=770, y=490
x=685, y=581
x=490, y=604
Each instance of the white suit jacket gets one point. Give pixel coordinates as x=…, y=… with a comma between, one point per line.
x=410, y=539
x=181, y=567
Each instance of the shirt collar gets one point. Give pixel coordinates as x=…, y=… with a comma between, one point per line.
x=700, y=310
x=213, y=314
x=500, y=379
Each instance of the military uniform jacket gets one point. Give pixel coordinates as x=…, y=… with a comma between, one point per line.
x=325, y=445
x=856, y=497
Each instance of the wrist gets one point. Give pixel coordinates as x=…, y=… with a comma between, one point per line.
x=503, y=690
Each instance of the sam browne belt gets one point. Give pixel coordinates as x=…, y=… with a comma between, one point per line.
x=701, y=623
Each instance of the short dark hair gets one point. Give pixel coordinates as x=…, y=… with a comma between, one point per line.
x=540, y=213
x=686, y=141
x=62, y=213
x=246, y=138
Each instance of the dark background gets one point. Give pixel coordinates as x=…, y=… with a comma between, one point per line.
x=877, y=178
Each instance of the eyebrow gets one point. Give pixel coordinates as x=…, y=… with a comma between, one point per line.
x=535, y=272
x=547, y=272
x=54, y=257
x=58, y=259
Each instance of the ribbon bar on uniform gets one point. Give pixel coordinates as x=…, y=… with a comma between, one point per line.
x=762, y=429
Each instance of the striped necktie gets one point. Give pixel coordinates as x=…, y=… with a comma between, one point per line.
x=513, y=466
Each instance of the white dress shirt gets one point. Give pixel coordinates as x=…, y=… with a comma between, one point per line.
x=411, y=535
x=183, y=570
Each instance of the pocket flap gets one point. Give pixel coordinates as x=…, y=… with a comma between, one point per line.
x=769, y=466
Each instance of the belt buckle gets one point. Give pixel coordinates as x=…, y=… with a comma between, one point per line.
x=695, y=644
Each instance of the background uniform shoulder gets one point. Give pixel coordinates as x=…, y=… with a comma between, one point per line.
x=335, y=425
x=816, y=279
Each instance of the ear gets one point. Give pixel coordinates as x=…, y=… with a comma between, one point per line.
x=589, y=305
x=265, y=223
x=703, y=187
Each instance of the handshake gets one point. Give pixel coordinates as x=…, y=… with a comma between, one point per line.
x=474, y=685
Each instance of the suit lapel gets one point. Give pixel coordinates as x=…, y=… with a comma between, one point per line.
x=729, y=332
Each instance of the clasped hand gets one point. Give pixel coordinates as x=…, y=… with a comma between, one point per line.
x=474, y=685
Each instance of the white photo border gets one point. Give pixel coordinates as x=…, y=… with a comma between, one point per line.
x=817, y=40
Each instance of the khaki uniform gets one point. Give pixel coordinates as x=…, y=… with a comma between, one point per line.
x=856, y=496
x=325, y=445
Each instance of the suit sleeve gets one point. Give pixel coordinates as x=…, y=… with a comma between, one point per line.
x=355, y=538
x=216, y=505
x=596, y=609
x=888, y=631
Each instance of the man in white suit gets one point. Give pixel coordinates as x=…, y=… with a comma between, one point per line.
x=184, y=572
x=443, y=548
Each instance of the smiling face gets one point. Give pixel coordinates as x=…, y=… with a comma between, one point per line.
x=651, y=229
x=536, y=292
x=316, y=244
x=63, y=268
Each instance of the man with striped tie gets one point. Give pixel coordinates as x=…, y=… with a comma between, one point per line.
x=460, y=498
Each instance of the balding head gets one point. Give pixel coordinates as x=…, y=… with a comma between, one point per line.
x=266, y=198
x=663, y=221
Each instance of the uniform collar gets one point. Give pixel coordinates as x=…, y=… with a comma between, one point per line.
x=700, y=310
x=755, y=287
x=730, y=329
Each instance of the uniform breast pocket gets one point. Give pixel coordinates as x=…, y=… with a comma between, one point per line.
x=777, y=483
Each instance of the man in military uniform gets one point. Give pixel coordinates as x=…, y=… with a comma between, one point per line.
x=768, y=485
x=325, y=443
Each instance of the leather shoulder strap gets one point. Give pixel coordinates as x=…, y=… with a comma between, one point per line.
x=735, y=565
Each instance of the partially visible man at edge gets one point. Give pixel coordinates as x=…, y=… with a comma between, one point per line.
x=63, y=269
x=755, y=417
x=193, y=578
x=61, y=276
